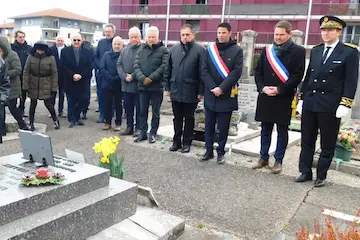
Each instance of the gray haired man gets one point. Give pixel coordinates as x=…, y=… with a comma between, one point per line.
x=125, y=68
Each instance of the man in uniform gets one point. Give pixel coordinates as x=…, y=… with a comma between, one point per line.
x=279, y=70
x=326, y=96
x=221, y=70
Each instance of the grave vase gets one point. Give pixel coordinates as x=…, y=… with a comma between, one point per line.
x=343, y=153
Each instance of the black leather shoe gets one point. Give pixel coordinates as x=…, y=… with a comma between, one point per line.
x=128, y=131
x=136, y=133
x=152, y=139
x=319, y=183
x=140, y=138
x=32, y=127
x=220, y=159
x=185, y=149
x=304, y=177
x=207, y=156
x=174, y=148
x=57, y=124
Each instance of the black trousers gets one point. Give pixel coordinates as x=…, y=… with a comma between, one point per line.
x=112, y=97
x=328, y=125
x=23, y=95
x=223, y=123
x=183, y=111
x=48, y=105
x=16, y=112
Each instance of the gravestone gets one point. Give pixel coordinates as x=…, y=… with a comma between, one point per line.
x=86, y=202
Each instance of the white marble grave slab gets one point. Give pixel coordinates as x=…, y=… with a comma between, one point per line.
x=252, y=147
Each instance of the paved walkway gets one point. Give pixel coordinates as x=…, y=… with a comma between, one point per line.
x=231, y=198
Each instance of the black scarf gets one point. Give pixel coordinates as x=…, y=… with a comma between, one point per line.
x=279, y=49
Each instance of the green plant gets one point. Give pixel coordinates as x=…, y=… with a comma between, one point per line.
x=109, y=158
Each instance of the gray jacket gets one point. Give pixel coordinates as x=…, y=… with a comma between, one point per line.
x=13, y=65
x=125, y=65
x=4, y=82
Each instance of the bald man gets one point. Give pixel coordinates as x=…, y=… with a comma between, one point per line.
x=56, y=51
x=77, y=65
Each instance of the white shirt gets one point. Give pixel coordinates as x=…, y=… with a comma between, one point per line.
x=332, y=46
x=59, y=50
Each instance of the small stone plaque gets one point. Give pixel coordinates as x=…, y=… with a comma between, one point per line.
x=17, y=201
x=247, y=97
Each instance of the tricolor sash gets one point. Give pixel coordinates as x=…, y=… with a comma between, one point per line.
x=276, y=65
x=220, y=66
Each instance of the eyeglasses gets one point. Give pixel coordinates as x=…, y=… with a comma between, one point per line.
x=76, y=40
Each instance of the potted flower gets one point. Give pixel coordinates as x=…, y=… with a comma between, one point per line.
x=345, y=144
x=109, y=158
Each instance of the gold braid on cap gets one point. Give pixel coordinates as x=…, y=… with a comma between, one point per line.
x=331, y=24
x=347, y=102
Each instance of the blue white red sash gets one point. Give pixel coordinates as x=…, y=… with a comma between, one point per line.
x=218, y=62
x=276, y=64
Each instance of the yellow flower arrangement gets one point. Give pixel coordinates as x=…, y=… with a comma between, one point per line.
x=109, y=159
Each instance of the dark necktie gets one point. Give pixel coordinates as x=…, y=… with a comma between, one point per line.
x=325, y=55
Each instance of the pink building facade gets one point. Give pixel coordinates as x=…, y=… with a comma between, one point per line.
x=258, y=15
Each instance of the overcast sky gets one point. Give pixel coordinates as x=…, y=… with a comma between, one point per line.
x=97, y=9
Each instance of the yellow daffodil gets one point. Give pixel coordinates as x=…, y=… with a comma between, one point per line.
x=105, y=160
x=97, y=147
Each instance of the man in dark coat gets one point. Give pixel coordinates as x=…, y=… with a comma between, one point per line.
x=221, y=70
x=125, y=68
x=326, y=96
x=22, y=49
x=149, y=69
x=77, y=65
x=111, y=85
x=103, y=46
x=182, y=83
x=4, y=94
x=87, y=45
x=279, y=70
x=56, y=52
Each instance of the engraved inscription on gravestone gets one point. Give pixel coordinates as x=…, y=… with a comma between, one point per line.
x=247, y=97
x=10, y=175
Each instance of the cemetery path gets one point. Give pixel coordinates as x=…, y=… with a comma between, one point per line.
x=231, y=198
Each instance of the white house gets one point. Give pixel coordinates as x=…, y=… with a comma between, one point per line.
x=47, y=25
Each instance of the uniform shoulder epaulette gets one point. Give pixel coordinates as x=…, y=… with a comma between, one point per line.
x=318, y=45
x=350, y=45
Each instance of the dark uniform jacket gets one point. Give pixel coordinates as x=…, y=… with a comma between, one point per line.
x=183, y=70
x=277, y=109
x=326, y=86
x=232, y=55
x=150, y=62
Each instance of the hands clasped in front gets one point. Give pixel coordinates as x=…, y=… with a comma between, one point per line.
x=216, y=91
x=271, y=91
x=77, y=77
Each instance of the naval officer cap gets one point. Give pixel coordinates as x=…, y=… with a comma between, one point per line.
x=331, y=22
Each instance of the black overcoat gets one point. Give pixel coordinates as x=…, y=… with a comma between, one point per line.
x=277, y=109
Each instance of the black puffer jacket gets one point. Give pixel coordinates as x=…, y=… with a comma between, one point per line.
x=150, y=62
x=182, y=73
